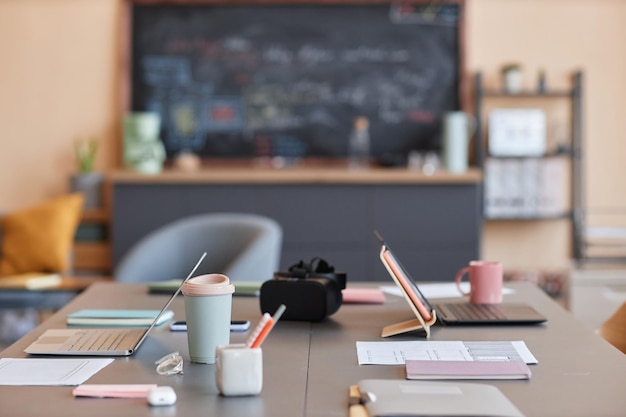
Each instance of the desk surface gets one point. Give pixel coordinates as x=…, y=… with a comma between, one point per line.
x=309, y=366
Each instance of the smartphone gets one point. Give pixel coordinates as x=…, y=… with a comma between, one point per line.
x=235, y=326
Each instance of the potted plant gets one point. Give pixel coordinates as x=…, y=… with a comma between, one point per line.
x=86, y=154
x=87, y=181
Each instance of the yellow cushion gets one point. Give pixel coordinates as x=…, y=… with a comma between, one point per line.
x=39, y=239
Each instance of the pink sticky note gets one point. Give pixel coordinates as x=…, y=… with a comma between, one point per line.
x=363, y=296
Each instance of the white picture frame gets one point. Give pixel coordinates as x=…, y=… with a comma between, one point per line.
x=517, y=132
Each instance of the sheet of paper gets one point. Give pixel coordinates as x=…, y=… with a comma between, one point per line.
x=438, y=290
x=43, y=371
x=396, y=353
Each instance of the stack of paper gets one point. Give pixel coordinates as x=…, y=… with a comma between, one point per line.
x=525, y=187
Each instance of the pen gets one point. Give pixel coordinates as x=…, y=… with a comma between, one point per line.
x=279, y=312
x=269, y=325
x=257, y=330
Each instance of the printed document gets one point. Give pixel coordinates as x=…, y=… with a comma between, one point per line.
x=396, y=353
x=56, y=371
x=438, y=290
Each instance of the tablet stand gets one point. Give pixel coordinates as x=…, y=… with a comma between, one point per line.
x=409, y=326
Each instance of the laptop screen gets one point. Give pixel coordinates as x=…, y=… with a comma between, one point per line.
x=173, y=296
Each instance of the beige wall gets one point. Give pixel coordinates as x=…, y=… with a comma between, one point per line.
x=559, y=36
x=59, y=82
x=57, y=85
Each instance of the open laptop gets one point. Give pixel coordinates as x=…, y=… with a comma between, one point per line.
x=458, y=312
x=98, y=341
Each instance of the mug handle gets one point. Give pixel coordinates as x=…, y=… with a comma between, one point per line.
x=459, y=278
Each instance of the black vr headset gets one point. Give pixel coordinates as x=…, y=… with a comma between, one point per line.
x=310, y=291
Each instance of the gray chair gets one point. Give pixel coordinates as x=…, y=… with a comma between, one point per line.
x=245, y=247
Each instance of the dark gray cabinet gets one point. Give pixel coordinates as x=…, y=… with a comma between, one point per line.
x=434, y=227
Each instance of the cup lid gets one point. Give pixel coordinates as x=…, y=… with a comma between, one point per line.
x=208, y=284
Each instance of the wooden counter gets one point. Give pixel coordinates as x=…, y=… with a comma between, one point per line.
x=433, y=222
x=332, y=175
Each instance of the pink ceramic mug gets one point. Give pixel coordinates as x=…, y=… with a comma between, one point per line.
x=485, y=280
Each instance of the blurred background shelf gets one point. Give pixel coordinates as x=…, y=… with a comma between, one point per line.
x=546, y=186
x=92, y=248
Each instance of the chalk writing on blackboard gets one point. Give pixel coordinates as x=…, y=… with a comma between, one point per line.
x=433, y=13
x=251, y=80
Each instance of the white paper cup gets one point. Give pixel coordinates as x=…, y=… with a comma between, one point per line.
x=208, y=304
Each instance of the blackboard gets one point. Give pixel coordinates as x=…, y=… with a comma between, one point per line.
x=289, y=79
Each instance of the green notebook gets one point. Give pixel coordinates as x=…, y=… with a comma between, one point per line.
x=117, y=318
x=242, y=288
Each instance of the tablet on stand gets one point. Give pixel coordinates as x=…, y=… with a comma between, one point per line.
x=426, y=315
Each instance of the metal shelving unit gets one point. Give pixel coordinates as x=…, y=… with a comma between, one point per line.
x=573, y=151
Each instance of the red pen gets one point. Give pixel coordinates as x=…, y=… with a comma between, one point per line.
x=269, y=325
x=258, y=329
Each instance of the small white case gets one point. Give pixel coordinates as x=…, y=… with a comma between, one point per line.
x=163, y=395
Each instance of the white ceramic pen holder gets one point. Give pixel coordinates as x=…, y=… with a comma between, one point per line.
x=239, y=370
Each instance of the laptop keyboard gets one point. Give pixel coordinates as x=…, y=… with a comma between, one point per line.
x=98, y=340
x=476, y=311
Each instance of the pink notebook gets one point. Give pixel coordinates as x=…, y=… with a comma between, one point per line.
x=416, y=369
